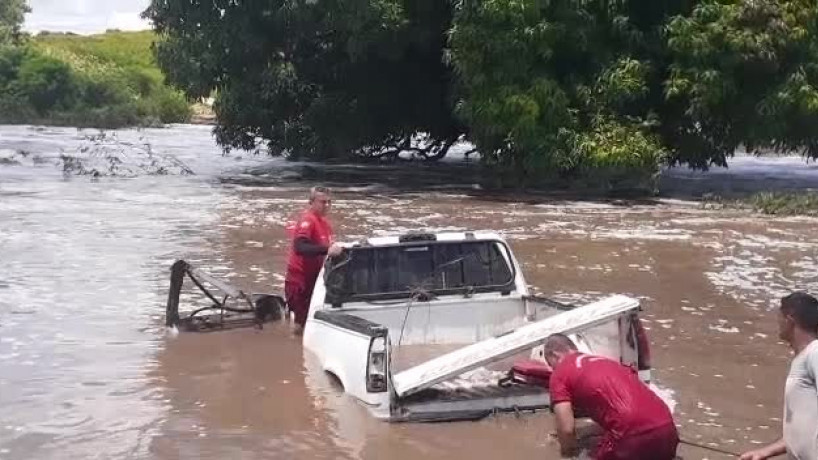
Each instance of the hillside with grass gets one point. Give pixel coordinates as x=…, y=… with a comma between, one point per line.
x=109, y=80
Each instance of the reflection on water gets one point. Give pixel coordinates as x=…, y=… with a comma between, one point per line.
x=87, y=371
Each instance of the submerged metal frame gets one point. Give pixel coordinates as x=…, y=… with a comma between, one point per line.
x=180, y=268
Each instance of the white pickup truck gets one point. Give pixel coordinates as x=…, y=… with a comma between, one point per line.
x=419, y=327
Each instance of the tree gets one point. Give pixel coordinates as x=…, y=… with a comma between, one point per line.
x=12, y=15
x=548, y=90
x=747, y=74
x=324, y=79
x=565, y=88
x=46, y=83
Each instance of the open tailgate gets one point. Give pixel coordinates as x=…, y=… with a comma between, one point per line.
x=473, y=356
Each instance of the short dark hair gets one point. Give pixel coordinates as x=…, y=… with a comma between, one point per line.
x=316, y=190
x=803, y=308
x=558, y=343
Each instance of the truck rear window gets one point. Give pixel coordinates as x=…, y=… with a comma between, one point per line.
x=399, y=271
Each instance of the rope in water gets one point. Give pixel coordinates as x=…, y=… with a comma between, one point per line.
x=710, y=448
x=689, y=443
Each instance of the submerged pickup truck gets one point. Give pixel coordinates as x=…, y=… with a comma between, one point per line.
x=423, y=327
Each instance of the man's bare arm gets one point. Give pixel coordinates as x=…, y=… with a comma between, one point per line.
x=773, y=450
x=566, y=428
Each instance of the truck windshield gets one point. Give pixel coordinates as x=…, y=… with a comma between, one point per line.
x=400, y=271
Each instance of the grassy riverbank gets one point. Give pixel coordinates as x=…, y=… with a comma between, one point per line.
x=772, y=203
x=108, y=80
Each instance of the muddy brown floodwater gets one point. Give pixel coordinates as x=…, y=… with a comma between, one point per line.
x=87, y=369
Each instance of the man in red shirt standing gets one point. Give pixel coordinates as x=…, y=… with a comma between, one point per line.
x=637, y=423
x=312, y=242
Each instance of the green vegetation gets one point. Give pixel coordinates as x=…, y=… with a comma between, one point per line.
x=550, y=91
x=773, y=203
x=562, y=88
x=12, y=14
x=787, y=204
x=104, y=81
x=321, y=81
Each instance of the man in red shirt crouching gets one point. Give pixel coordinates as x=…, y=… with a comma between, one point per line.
x=312, y=242
x=637, y=423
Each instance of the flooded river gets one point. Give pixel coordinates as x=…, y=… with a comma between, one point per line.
x=87, y=369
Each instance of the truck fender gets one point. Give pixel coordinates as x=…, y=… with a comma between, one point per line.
x=335, y=370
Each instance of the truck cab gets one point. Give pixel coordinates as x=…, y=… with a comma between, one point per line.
x=421, y=327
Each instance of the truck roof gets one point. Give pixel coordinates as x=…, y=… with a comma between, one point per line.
x=414, y=237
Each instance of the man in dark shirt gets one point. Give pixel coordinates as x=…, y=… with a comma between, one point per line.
x=312, y=242
x=637, y=423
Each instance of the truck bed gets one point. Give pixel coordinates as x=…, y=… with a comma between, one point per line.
x=471, y=396
x=408, y=356
x=495, y=349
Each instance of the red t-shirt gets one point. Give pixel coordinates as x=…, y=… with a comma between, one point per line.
x=316, y=229
x=610, y=393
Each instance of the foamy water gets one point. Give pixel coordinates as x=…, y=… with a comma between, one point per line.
x=89, y=369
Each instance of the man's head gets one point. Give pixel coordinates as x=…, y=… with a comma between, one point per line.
x=798, y=314
x=320, y=201
x=556, y=347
